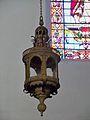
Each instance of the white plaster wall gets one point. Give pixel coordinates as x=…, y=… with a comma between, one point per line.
x=18, y=20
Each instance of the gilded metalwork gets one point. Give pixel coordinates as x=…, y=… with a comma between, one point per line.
x=40, y=58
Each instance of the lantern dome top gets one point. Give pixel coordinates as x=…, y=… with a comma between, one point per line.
x=41, y=33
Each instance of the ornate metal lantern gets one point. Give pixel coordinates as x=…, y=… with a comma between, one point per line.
x=41, y=57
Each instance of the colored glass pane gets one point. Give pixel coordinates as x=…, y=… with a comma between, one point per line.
x=70, y=25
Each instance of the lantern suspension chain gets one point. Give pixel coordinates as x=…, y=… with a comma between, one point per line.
x=41, y=17
x=40, y=7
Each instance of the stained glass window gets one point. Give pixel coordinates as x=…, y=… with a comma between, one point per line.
x=70, y=28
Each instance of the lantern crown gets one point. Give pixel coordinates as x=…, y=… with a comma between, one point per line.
x=41, y=33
